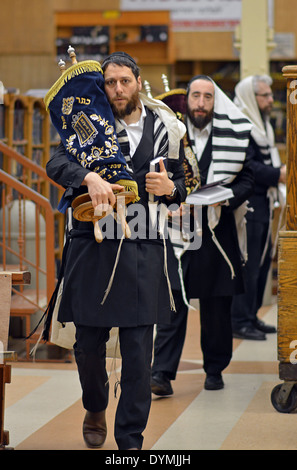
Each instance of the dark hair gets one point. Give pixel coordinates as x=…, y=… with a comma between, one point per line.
x=197, y=77
x=122, y=59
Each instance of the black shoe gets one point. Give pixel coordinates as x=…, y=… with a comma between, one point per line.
x=213, y=382
x=248, y=332
x=160, y=384
x=261, y=326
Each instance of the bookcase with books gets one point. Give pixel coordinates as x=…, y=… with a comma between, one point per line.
x=145, y=35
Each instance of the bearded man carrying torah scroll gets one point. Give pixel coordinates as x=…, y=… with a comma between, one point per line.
x=139, y=295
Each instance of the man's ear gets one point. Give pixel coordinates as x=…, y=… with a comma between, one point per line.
x=139, y=83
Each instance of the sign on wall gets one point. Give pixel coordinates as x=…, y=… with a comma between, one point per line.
x=196, y=15
x=193, y=14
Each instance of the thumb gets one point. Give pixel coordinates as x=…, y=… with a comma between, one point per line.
x=117, y=187
x=162, y=166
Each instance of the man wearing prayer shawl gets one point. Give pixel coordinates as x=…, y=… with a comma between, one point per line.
x=140, y=294
x=254, y=97
x=216, y=145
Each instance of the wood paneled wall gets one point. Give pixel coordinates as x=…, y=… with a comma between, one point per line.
x=285, y=18
x=26, y=27
x=90, y=5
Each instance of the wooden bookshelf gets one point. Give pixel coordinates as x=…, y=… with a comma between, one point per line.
x=145, y=35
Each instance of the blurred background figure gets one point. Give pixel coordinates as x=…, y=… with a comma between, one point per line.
x=253, y=95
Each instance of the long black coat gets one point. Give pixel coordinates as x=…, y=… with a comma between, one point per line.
x=266, y=176
x=206, y=272
x=139, y=292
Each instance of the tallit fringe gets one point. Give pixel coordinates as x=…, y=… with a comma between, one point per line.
x=113, y=271
x=274, y=247
x=178, y=256
x=181, y=278
x=172, y=303
x=223, y=253
x=163, y=215
x=269, y=229
x=113, y=368
x=34, y=350
x=71, y=72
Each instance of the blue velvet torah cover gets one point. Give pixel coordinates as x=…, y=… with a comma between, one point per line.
x=81, y=114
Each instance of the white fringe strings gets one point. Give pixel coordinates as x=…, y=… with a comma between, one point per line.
x=113, y=271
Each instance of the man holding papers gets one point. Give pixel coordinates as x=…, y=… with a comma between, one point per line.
x=216, y=145
x=210, y=194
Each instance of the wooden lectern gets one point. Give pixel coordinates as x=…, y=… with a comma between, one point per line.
x=284, y=396
x=7, y=279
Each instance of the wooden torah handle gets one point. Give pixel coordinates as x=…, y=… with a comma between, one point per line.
x=121, y=211
x=72, y=55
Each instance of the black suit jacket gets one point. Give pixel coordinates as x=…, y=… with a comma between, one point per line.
x=139, y=292
x=266, y=176
x=206, y=272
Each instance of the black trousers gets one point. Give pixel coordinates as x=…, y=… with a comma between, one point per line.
x=216, y=336
x=135, y=397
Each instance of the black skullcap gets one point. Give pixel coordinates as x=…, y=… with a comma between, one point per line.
x=118, y=56
x=122, y=59
x=197, y=77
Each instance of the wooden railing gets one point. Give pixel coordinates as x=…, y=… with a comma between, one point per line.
x=32, y=234
x=32, y=229
x=16, y=230
x=35, y=177
x=26, y=128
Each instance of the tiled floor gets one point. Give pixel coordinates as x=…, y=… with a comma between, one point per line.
x=44, y=411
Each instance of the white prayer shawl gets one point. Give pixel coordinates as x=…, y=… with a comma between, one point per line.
x=174, y=127
x=168, y=133
x=230, y=139
x=246, y=101
x=176, y=131
x=263, y=135
x=231, y=133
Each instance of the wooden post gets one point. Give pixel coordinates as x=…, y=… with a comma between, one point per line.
x=287, y=256
x=290, y=73
x=253, y=38
x=7, y=279
x=284, y=396
x=5, y=293
x=5, y=372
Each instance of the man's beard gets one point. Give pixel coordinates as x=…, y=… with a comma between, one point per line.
x=265, y=113
x=128, y=109
x=200, y=121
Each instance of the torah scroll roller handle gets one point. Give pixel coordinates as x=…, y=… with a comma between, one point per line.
x=62, y=65
x=165, y=82
x=72, y=55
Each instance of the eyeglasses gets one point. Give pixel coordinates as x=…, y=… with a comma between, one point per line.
x=265, y=95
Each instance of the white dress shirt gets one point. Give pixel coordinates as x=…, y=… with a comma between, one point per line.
x=201, y=138
x=135, y=130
